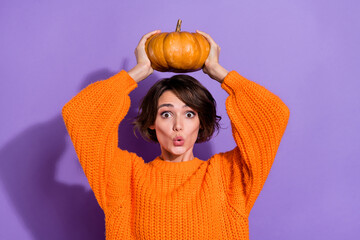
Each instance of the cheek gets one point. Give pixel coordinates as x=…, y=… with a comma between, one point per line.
x=162, y=128
x=161, y=124
x=194, y=128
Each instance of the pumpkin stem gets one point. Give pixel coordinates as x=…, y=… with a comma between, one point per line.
x=178, y=26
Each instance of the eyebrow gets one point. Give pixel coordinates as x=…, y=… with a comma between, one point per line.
x=169, y=105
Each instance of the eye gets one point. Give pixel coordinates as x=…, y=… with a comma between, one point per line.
x=190, y=114
x=165, y=114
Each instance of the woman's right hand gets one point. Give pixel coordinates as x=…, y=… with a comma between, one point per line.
x=143, y=67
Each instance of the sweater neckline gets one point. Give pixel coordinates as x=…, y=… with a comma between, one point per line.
x=177, y=167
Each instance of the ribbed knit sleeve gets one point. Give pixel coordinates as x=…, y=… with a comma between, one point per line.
x=92, y=118
x=259, y=119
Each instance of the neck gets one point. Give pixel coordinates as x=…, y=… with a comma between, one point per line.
x=167, y=156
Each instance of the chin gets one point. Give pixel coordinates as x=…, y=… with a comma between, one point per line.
x=177, y=151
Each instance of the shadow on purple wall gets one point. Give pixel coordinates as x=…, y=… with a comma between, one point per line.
x=53, y=210
x=49, y=209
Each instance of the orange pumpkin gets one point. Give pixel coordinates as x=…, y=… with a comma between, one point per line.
x=177, y=51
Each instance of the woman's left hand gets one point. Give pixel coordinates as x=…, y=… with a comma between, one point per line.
x=212, y=66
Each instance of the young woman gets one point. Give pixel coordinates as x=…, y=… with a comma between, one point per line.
x=176, y=196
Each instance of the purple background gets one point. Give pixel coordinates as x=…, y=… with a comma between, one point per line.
x=306, y=52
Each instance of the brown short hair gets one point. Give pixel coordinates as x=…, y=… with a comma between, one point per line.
x=192, y=93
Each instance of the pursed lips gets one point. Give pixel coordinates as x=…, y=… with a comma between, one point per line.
x=178, y=141
x=178, y=138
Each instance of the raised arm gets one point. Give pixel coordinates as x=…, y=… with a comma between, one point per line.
x=92, y=118
x=259, y=119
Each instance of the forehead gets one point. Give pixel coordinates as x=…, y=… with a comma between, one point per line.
x=169, y=97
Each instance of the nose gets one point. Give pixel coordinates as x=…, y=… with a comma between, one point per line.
x=178, y=124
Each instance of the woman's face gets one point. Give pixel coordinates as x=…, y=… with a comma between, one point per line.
x=176, y=125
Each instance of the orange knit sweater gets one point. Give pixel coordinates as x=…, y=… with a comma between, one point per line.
x=185, y=200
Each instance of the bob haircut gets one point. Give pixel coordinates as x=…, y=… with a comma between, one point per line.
x=192, y=93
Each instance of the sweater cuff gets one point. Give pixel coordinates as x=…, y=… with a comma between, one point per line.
x=233, y=81
x=123, y=82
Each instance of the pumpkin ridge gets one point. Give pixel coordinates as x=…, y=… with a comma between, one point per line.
x=205, y=49
x=196, y=65
x=162, y=56
x=152, y=53
x=169, y=67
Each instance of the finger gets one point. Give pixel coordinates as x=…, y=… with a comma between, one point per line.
x=146, y=36
x=207, y=36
